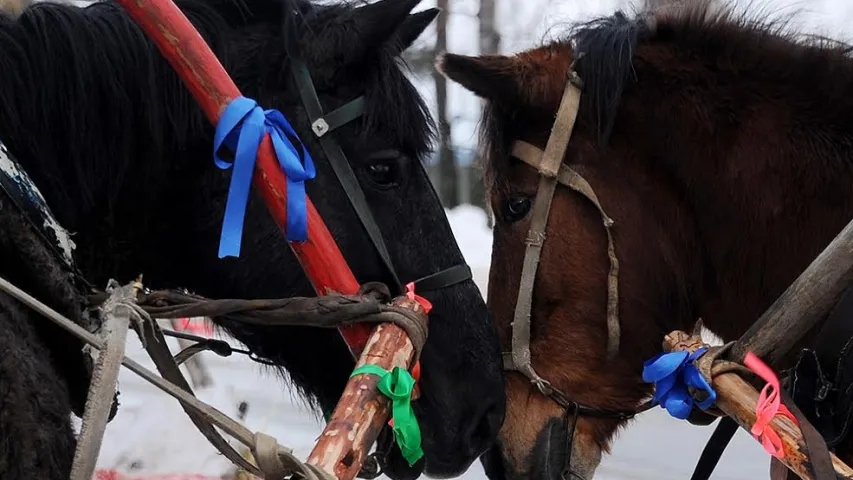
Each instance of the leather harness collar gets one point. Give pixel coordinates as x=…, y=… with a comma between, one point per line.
x=552, y=171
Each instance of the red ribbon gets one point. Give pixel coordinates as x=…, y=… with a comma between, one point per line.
x=769, y=405
x=410, y=293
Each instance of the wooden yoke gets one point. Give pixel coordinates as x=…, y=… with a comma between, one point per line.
x=738, y=399
x=387, y=345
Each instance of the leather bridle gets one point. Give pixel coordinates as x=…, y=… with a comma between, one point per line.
x=552, y=171
x=323, y=125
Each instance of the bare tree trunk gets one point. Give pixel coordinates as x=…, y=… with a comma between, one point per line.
x=447, y=185
x=14, y=7
x=490, y=38
x=490, y=43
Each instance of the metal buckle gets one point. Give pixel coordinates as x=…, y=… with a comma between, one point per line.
x=320, y=127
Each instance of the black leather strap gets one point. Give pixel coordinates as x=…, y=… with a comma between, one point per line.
x=443, y=279
x=714, y=449
x=341, y=166
x=343, y=115
x=322, y=125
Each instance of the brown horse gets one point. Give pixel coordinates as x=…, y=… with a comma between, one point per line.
x=722, y=149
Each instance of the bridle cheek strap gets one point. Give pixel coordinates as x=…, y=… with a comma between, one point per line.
x=569, y=177
x=552, y=171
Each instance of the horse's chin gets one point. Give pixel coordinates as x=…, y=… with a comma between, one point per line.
x=549, y=454
x=547, y=461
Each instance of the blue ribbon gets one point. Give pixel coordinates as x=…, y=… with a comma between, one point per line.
x=241, y=129
x=672, y=373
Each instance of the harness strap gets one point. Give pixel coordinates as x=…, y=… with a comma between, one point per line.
x=443, y=279
x=548, y=165
x=338, y=160
x=714, y=449
x=202, y=415
x=337, y=118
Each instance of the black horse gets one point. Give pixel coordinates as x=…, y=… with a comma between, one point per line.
x=123, y=156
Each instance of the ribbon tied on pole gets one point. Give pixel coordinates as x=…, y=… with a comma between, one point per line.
x=241, y=129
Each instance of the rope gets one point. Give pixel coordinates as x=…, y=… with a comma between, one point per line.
x=369, y=305
x=274, y=460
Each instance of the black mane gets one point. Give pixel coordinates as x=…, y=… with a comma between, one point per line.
x=604, y=51
x=71, y=92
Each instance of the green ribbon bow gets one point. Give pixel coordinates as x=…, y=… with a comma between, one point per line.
x=397, y=385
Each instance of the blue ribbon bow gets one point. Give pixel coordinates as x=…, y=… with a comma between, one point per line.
x=672, y=373
x=241, y=128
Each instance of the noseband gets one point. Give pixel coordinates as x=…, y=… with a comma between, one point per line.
x=552, y=171
x=323, y=125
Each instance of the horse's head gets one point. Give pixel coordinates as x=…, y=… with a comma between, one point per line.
x=376, y=136
x=599, y=287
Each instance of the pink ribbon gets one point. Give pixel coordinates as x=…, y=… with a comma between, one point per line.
x=201, y=328
x=769, y=405
x=410, y=293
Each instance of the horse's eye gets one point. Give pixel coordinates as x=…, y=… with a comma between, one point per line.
x=384, y=174
x=516, y=208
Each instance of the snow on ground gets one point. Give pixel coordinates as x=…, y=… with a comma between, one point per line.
x=151, y=435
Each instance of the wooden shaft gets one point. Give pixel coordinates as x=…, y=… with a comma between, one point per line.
x=361, y=412
x=738, y=399
x=805, y=303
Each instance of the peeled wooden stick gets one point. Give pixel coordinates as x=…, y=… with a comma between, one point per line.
x=738, y=399
x=362, y=409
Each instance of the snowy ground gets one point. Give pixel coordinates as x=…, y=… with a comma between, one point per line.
x=151, y=435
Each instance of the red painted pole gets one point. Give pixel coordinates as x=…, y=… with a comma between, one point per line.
x=191, y=57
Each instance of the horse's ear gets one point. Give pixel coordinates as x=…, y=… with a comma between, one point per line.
x=376, y=23
x=412, y=28
x=493, y=77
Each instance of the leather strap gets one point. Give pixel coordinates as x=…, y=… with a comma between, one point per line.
x=340, y=165
x=548, y=165
x=443, y=279
x=322, y=124
x=816, y=450
x=714, y=449
x=340, y=117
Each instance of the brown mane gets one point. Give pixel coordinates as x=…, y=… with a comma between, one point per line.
x=761, y=49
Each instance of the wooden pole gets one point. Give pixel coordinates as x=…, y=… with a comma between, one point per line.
x=360, y=414
x=738, y=399
x=805, y=303
x=387, y=345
